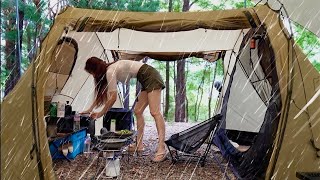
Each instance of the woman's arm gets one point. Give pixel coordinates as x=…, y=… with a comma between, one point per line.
x=112, y=97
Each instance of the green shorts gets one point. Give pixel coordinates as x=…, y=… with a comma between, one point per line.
x=149, y=78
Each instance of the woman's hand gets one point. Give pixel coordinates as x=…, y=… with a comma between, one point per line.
x=96, y=115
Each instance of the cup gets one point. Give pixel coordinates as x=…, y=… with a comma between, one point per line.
x=70, y=147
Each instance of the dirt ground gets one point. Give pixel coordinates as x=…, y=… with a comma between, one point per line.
x=141, y=166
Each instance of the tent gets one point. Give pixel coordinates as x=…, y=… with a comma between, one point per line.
x=290, y=144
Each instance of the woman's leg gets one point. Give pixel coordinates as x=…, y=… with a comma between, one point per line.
x=139, y=108
x=154, y=100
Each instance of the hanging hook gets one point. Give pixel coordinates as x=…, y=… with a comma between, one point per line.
x=119, y=38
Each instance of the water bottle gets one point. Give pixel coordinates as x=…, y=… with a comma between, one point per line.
x=60, y=109
x=68, y=109
x=53, y=109
x=76, y=122
x=87, y=144
x=113, y=125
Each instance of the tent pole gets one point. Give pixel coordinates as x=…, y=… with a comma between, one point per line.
x=35, y=128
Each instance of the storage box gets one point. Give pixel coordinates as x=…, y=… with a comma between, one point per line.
x=123, y=117
x=77, y=140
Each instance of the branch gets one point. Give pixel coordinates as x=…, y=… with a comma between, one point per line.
x=193, y=3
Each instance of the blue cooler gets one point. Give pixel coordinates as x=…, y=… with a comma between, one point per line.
x=77, y=140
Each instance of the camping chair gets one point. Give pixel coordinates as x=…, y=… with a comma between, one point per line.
x=189, y=141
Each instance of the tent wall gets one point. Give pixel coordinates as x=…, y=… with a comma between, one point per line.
x=291, y=151
x=298, y=134
x=79, y=89
x=18, y=157
x=245, y=110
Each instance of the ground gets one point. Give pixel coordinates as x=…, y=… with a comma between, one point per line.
x=141, y=167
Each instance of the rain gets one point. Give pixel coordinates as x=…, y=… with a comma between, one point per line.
x=176, y=89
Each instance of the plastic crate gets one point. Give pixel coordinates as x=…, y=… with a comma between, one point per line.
x=77, y=140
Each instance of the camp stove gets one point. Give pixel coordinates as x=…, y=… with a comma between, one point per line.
x=112, y=163
x=111, y=147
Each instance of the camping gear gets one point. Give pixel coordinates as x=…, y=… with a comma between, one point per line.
x=110, y=146
x=114, y=141
x=56, y=74
x=60, y=109
x=123, y=119
x=112, y=168
x=75, y=138
x=113, y=125
x=190, y=140
x=65, y=124
x=87, y=144
x=53, y=109
x=68, y=109
x=76, y=121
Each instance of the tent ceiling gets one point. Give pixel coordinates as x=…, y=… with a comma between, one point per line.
x=135, y=45
x=184, y=41
x=305, y=12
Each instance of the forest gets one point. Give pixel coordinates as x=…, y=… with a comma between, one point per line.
x=189, y=96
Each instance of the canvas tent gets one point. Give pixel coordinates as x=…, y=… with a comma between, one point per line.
x=292, y=82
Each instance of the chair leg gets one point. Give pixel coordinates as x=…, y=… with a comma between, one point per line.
x=204, y=157
x=173, y=160
x=203, y=160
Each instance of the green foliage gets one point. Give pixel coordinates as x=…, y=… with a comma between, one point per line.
x=242, y=4
x=316, y=65
x=120, y=5
x=3, y=76
x=220, y=5
x=309, y=42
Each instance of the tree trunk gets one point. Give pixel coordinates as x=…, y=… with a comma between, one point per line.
x=37, y=35
x=180, y=110
x=186, y=5
x=29, y=43
x=20, y=39
x=211, y=90
x=11, y=61
x=167, y=103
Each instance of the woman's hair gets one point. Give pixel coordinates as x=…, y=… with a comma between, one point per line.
x=98, y=68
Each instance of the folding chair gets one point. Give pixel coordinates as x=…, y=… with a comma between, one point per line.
x=189, y=141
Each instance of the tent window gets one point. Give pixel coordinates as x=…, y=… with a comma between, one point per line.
x=65, y=56
x=254, y=62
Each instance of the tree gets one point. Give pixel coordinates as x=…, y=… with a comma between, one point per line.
x=10, y=53
x=180, y=108
x=167, y=98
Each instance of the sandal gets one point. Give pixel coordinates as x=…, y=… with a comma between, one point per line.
x=159, y=157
